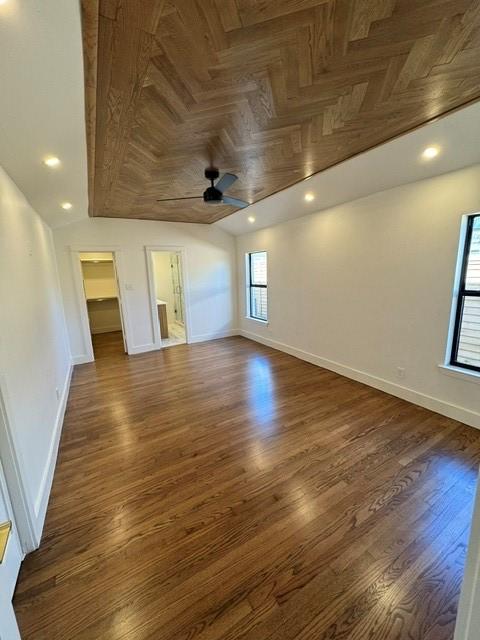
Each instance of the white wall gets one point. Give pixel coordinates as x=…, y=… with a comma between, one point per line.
x=163, y=281
x=209, y=270
x=34, y=353
x=366, y=287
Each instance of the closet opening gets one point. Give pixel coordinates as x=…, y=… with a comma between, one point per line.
x=167, y=297
x=103, y=301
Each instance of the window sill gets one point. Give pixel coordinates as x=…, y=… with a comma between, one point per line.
x=462, y=374
x=265, y=322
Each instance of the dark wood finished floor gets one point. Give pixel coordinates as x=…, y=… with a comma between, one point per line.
x=107, y=345
x=226, y=491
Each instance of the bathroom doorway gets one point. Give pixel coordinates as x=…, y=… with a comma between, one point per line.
x=166, y=274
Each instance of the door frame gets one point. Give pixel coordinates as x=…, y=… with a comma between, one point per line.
x=468, y=616
x=11, y=567
x=75, y=251
x=149, y=251
x=9, y=622
x=20, y=498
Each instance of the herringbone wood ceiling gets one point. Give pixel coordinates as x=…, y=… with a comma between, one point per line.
x=272, y=90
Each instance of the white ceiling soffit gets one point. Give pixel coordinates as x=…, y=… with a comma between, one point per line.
x=42, y=105
x=394, y=163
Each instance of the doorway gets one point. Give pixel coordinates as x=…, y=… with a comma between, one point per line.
x=167, y=290
x=10, y=560
x=103, y=303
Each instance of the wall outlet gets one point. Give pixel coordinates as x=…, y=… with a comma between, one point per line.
x=401, y=372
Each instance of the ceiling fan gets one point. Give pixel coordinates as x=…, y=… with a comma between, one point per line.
x=215, y=193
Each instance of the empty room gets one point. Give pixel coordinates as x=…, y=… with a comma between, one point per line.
x=240, y=319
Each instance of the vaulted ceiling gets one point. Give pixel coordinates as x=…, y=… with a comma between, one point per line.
x=271, y=90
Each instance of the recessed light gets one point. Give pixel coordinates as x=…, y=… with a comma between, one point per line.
x=3, y=2
x=430, y=152
x=309, y=197
x=67, y=205
x=51, y=161
x=251, y=219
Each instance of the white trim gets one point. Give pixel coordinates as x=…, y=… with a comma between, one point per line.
x=214, y=336
x=471, y=418
x=152, y=299
x=143, y=348
x=43, y=495
x=122, y=297
x=20, y=497
x=468, y=615
x=248, y=287
x=81, y=305
x=264, y=322
x=10, y=629
x=29, y=512
x=467, y=375
x=81, y=359
x=149, y=250
x=456, y=283
x=246, y=271
x=107, y=329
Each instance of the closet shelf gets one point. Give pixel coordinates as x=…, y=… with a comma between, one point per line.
x=96, y=261
x=101, y=299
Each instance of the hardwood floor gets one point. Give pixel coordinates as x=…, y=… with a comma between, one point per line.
x=228, y=491
x=108, y=344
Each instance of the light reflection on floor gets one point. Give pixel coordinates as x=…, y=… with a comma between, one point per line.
x=261, y=394
x=120, y=419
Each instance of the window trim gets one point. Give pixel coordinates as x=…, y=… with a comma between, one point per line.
x=251, y=286
x=463, y=293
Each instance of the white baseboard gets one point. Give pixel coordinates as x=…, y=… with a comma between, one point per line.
x=151, y=346
x=83, y=359
x=143, y=348
x=106, y=329
x=415, y=397
x=41, y=502
x=213, y=336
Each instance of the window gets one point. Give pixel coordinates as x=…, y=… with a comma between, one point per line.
x=466, y=333
x=257, y=285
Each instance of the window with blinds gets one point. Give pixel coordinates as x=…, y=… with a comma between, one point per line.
x=257, y=285
x=466, y=335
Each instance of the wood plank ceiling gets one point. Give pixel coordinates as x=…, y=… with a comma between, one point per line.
x=271, y=90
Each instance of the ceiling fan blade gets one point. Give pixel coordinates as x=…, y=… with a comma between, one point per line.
x=225, y=182
x=235, y=201
x=186, y=198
